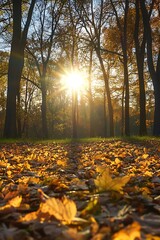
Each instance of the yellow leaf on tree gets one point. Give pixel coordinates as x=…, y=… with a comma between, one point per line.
x=131, y=232
x=104, y=182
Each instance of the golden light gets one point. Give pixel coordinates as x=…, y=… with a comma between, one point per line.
x=74, y=80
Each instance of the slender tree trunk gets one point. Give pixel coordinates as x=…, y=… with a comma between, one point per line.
x=91, y=108
x=107, y=89
x=122, y=113
x=123, y=32
x=74, y=114
x=105, y=115
x=44, y=108
x=153, y=68
x=156, y=126
x=126, y=85
x=19, y=126
x=125, y=64
x=140, y=51
x=142, y=100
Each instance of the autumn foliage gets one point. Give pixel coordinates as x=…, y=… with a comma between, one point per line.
x=99, y=190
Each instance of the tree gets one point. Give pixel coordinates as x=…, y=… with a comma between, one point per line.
x=140, y=42
x=122, y=26
x=41, y=47
x=154, y=66
x=91, y=107
x=93, y=26
x=16, y=62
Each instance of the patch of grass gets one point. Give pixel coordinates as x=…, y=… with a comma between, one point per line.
x=141, y=138
x=77, y=140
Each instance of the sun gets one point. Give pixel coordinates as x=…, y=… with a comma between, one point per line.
x=74, y=80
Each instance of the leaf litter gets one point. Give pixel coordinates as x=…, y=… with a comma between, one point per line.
x=99, y=190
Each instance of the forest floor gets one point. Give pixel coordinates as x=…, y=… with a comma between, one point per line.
x=79, y=191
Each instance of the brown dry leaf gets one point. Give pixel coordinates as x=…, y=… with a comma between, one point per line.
x=22, y=188
x=131, y=232
x=57, y=185
x=11, y=194
x=104, y=182
x=103, y=233
x=73, y=234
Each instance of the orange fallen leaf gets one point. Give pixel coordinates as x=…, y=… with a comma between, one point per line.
x=151, y=237
x=131, y=232
x=11, y=205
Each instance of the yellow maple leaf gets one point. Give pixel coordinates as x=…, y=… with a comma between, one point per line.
x=63, y=210
x=104, y=182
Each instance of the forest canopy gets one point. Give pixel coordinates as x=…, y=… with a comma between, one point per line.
x=79, y=68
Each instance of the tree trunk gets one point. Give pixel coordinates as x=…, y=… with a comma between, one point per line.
x=107, y=89
x=91, y=108
x=123, y=32
x=153, y=69
x=140, y=51
x=74, y=114
x=14, y=73
x=105, y=115
x=156, y=126
x=126, y=85
x=122, y=113
x=125, y=65
x=15, y=67
x=44, y=108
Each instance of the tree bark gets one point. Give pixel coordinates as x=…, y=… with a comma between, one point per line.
x=125, y=63
x=140, y=51
x=91, y=108
x=14, y=72
x=74, y=114
x=107, y=89
x=123, y=32
x=44, y=108
x=154, y=70
x=15, y=67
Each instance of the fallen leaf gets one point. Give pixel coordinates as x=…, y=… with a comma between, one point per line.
x=151, y=237
x=131, y=232
x=104, y=182
x=11, y=205
x=73, y=234
x=63, y=210
x=93, y=206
